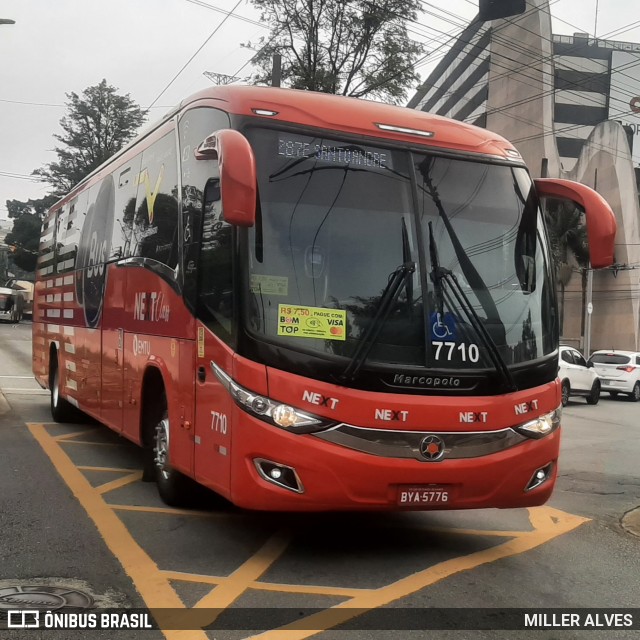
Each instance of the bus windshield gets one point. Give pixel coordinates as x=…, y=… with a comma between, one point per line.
x=432, y=261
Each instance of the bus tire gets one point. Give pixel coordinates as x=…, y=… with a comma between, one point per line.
x=61, y=410
x=173, y=486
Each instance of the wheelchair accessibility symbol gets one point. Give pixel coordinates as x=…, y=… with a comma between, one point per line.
x=443, y=326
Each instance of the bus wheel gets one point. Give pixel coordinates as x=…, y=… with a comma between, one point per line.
x=61, y=409
x=172, y=485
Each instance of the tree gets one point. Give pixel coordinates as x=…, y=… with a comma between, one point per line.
x=24, y=239
x=350, y=47
x=38, y=207
x=97, y=125
x=568, y=237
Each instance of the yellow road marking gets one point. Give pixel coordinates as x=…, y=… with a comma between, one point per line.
x=552, y=524
x=227, y=592
x=93, y=444
x=75, y=434
x=151, y=585
x=171, y=511
x=154, y=587
x=84, y=467
x=119, y=482
x=280, y=587
x=323, y=590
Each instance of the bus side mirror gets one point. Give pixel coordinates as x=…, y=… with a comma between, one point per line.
x=237, y=167
x=601, y=221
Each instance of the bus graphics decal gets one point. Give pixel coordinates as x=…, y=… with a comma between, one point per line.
x=94, y=247
x=311, y=322
x=143, y=178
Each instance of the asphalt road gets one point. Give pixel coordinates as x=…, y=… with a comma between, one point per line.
x=74, y=516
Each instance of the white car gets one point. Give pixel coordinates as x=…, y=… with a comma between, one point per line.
x=578, y=377
x=619, y=372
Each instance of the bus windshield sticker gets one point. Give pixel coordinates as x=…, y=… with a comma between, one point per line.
x=312, y=322
x=200, y=342
x=269, y=285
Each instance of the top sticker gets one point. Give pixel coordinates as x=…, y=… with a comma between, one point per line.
x=312, y=322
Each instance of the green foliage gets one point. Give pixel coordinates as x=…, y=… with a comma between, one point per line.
x=567, y=234
x=350, y=47
x=97, y=125
x=38, y=207
x=25, y=238
x=568, y=237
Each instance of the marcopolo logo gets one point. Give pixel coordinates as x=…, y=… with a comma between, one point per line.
x=93, y=252
x=425, y=382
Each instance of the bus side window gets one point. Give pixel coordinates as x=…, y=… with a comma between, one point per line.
x=155, y=221
x=215, y=267
x=125, y=209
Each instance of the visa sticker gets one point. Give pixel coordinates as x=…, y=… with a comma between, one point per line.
x=312, y=322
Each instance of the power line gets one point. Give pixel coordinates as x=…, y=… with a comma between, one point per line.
x=197, y=52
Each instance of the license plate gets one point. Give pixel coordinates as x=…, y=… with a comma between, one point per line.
x=425, y=495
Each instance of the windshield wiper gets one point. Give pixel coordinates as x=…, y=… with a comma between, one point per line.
x=466, y=265
x=389, y=296
x=438, y=276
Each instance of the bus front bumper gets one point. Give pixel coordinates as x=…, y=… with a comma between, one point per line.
x=314, y=475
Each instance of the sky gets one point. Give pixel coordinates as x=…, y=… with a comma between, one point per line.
x=153, y=50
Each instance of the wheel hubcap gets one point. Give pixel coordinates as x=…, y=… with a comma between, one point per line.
x=162, y=447
x=55, y=392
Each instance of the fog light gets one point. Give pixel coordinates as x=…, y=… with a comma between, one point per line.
x=279, y=474
x=539, y=476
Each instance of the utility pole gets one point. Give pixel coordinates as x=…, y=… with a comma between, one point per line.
x=589, y=309
x=276, y=70
x=220, y=78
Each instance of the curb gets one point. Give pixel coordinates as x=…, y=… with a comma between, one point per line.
x=631, y=522
x=4, y=405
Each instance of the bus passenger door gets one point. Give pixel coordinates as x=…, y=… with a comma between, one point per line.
x=114, y=317
x=214, y=408
x=209, y=292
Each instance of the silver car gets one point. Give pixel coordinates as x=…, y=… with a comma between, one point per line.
x=619, y=372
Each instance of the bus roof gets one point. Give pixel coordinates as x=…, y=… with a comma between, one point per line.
x=336, y=113
x=356, y=115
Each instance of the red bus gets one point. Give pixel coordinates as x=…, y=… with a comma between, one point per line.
x=311, y=302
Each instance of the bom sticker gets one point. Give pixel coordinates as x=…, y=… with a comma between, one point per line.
x=312, y=322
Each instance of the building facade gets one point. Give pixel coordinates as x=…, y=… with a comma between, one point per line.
x=571, y=105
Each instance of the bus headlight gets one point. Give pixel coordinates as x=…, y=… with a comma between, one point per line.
x=542, y=426
x=275, y=413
